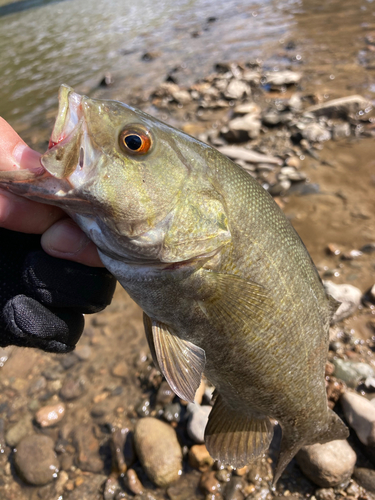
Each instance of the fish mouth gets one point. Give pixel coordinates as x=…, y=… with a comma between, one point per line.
x=68, y=116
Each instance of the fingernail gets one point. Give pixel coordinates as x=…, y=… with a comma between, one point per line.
x=18, y=152
x=26, y=157
x=64, y=237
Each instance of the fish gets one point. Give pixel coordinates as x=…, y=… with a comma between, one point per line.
x=226, y=285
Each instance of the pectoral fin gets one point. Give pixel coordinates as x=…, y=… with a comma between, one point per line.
x=236, y=439
x=181, y=362
x=235, y=302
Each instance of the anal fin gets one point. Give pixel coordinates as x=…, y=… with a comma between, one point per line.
x=236, y=439
x=181, y=362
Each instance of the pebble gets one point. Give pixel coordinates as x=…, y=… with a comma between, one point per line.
x=50, y=415
x=88, y=490
x=325, y=494
x=121, y=370
x=133, y=482
x=242, y=128
x=165, y=394
x=348, y=295
x=237, y=90
x=352, y=372
x=233, y=490
x=172, y=412
x=83, y=352
x=87, y=446
x=360, y=415
x=315, y=132
x=197, y=421
x=340, y=107
x=328, y=464
x=199, y=458
x=280, y=78
x=35, y=459
x=209, y=482
x=111, y=488
x=37, y=385
x=18, y=431
x=158, y=450
x=73, y=388
x=365, y=477
x=238, y=153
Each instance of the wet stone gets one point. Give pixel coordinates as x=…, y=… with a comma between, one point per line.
x=199, y=458
x=349, y=296
x=35, y=460
x=87, y=446
x=209, y=483
x=18, y=431
x=328, y=464
x=325, y=494
x=111, y=488
x=197, y=421
x=122, y=444
x=121, y=369
x=158, y=450
x=352, y=372
x=143, y=409
x=133, y=482
x=37, y=385
x=165, y=394
x=360, y=415
x=83, y=352
x=69, y=360
x=233, y=490
x=73, y=388
x=365, y=477
x=172, y=412
x=223, y=475
x=90, y=489
x=185, y=488
x=50, y=415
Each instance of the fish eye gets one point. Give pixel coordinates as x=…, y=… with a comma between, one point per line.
x=135, y=141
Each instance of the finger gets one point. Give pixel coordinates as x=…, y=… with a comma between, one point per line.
x=14, y=153
x=26, y=216
x=67, y=241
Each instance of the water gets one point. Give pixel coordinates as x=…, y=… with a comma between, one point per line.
x=44, y=44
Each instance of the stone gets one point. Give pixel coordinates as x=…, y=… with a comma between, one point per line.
x=348, y=295
x=158, y=450
x=341, y=131
x=329, y=464
x=247, y=108
x=280, y=78
x=165, y=394
x=238, y=153
x=315, y=132
x=199, y=458
x=133, y=482
x=341, y=107
x=83, y=352
x=237, y=89
x=50, y=415
x=352, y=372
x=197, y=421
x=360, y=415
x=90, y=489
x=121, y=370
x=325, y=494
x=365, y=478
x=35, y=460
x=73, y=388
x=111, y=488
x=233, y=490
x=209, y=483
x=182, y=96
x=172, y=412
x=243, y=128
x=87, y=446
x=18, y=431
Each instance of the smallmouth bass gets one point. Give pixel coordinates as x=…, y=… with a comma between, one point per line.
x=226, y=285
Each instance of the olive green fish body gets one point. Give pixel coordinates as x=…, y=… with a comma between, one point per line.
x=225, y=283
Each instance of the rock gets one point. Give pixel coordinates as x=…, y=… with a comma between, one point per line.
x=172, y=412
x=106, y=81
x=365, y=478
x=122, y=444
x=200, y=392
x=197, y=421
x=133, y=482
x=199, y=458
x=247, y=108
x=61, y=481
x=150, y=56
x=223, y=475
x=18, y=431
x=315, y=132
x=73, y=388
x=360, y=415
x=165, y=394
x=233, y=490
x=50, y=415
x=328, y=464
x=368, y=248
x=341, y=131
x=342, y=107
x=242, y=128
x=37, y=385
x=182, y=96
x=325, y=494
x=279, y=78
x=291, y=174
x=186, y=487
x=238, y=153
x=352, y=372
x=348, y=295
x=83, y=352
x=35, y=460
x=158, y=450
x=121, y=370
x=251, y=76
x=111, y=488
x=209, y=483
x=237, y=89
x=89, y=489
x=87, y=446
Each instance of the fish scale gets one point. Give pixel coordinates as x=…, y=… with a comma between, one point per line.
x=226, y=285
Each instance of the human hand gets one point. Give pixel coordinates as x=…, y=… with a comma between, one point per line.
x=61, y=237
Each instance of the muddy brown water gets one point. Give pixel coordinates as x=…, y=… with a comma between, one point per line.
x=44, y=44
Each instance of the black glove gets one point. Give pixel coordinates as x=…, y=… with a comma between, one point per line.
x=43, y=299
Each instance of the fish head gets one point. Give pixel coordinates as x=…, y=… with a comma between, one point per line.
x=120, y=172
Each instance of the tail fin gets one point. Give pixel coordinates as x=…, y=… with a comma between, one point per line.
x=336, y=429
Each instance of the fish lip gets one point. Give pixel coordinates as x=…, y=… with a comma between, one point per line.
x=68, y=116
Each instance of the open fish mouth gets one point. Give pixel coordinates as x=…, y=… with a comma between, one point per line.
x=68, y=116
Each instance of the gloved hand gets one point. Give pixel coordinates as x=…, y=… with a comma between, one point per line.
x=43, y=299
